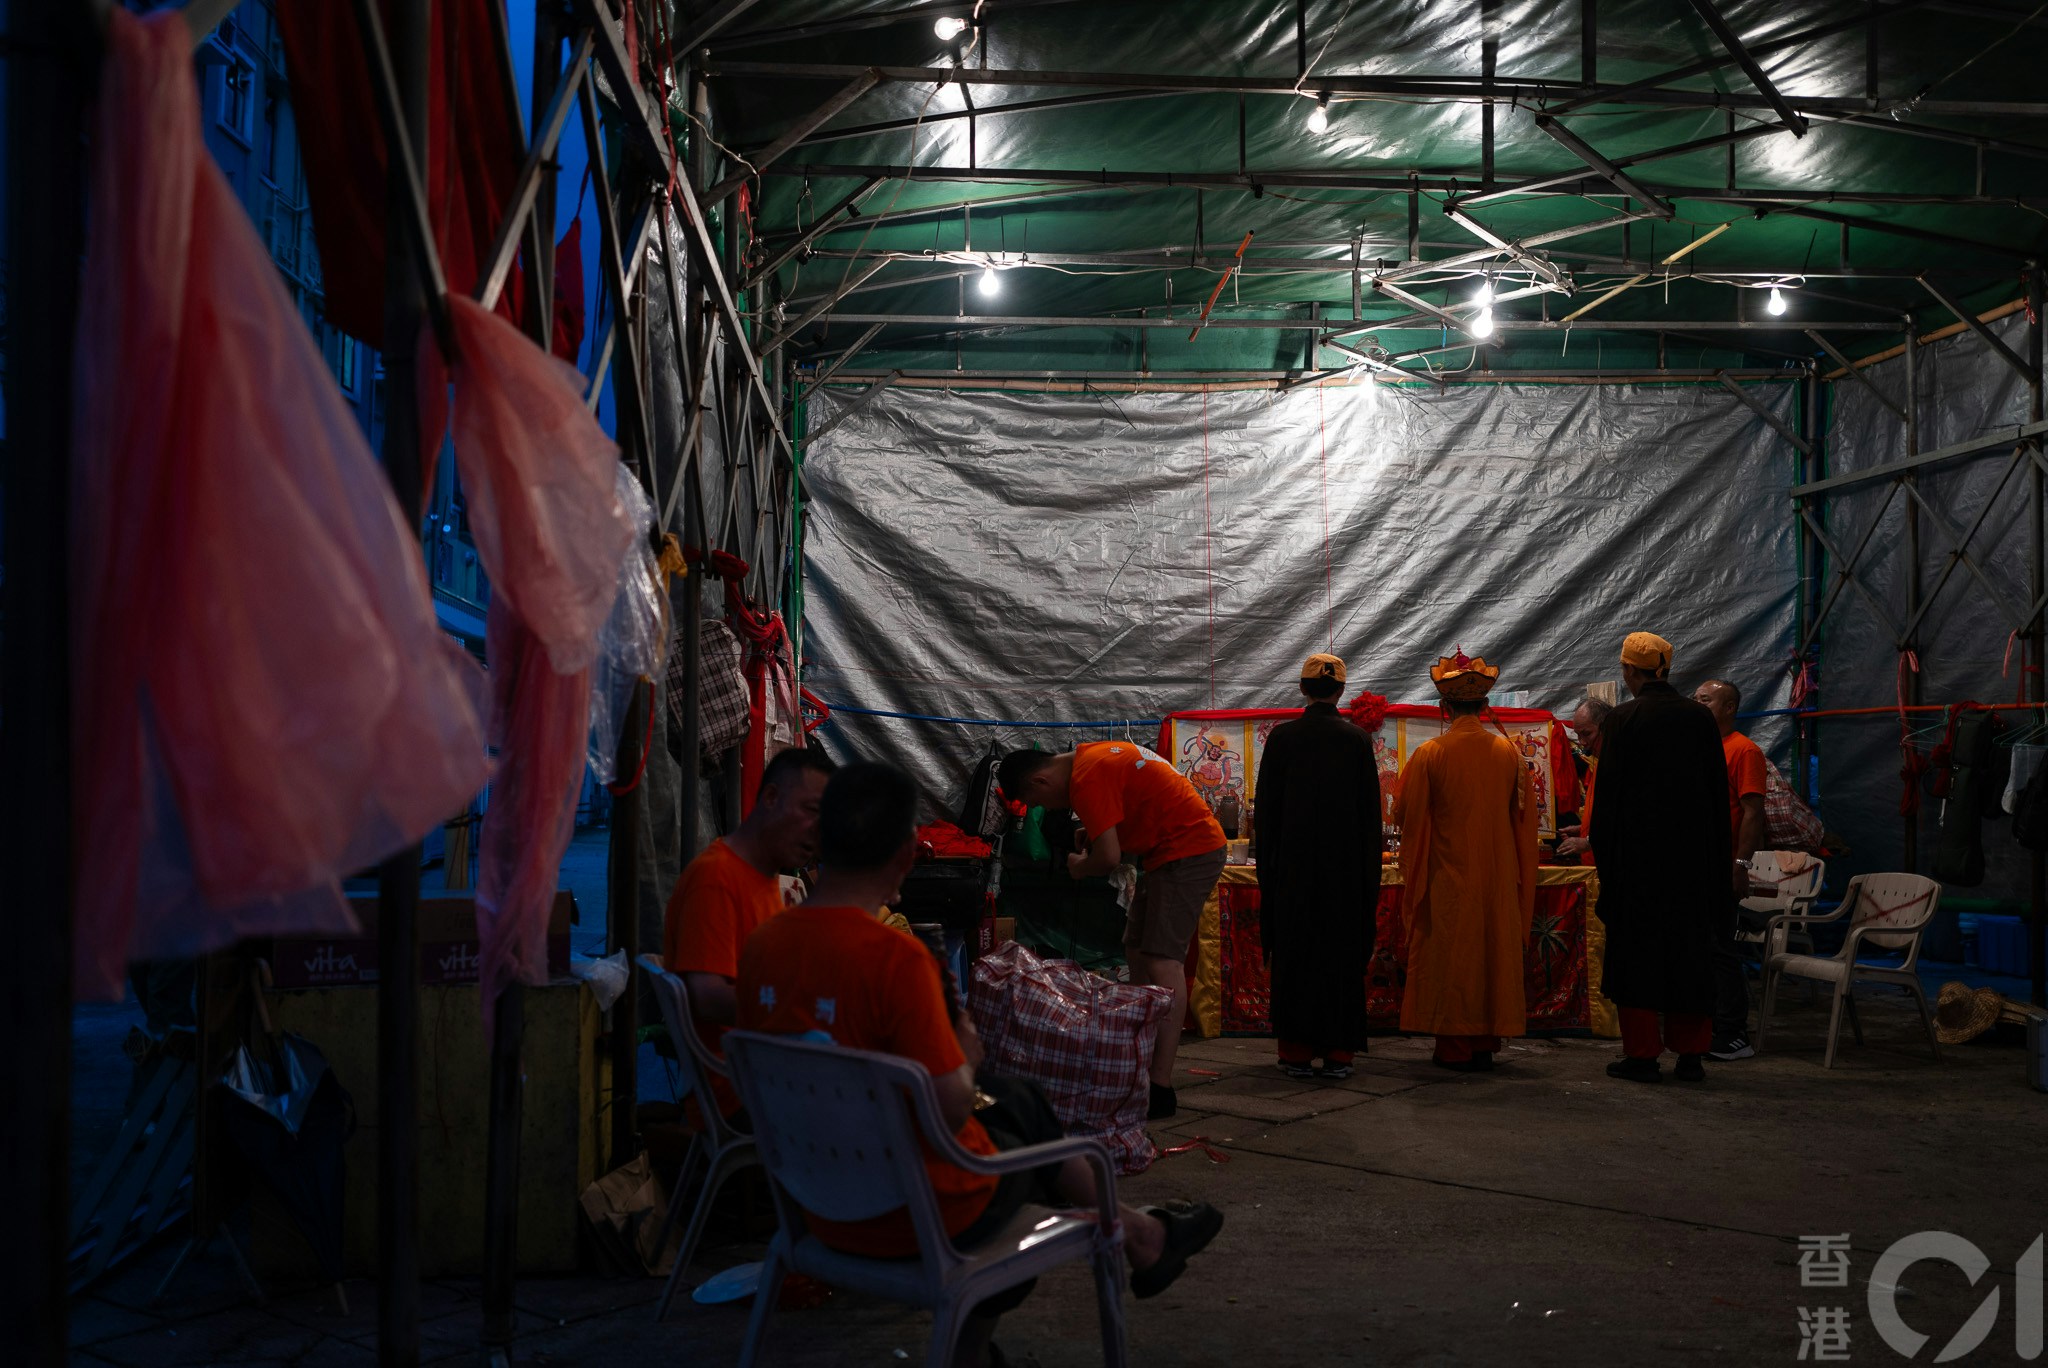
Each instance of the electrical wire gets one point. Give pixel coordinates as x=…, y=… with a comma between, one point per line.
x=1342, y=15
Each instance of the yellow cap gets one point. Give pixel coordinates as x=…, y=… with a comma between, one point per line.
x=1646, y=651
x=1321, y=666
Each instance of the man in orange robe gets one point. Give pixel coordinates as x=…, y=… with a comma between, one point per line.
x=1468, y=876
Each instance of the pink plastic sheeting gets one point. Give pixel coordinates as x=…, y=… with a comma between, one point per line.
x=539, y=473
x=541, y=477
x=265, y=701
x=538, y=720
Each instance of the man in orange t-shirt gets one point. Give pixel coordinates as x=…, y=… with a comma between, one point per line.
x=730, y=889
x=830, y=967
x=1746, y=777
x=1133, y=804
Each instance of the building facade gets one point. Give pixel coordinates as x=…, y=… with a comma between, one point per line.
x=246, y=107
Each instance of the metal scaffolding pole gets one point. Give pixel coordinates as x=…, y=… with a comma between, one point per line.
x=50, y=64
x=398, y=880
x=499, y=1328
x=2037, y=883
x=1909, y=643
x=1806, y=460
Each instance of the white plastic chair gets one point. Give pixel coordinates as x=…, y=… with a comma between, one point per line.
x=1889, y=911
x=1787, y=882
x=835, y=1131
x=722, y=1149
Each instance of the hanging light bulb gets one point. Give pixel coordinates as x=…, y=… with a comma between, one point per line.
x=949, y=27
x=1776, y=303
x=988, y=283
x=1319, y=117
x=1482, y=323
x=1484, y=297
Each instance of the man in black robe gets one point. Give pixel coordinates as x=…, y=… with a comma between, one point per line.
x=1660, y=833
x=1317, y=816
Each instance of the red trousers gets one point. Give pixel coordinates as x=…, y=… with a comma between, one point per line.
x=1684, y=1033
x=1294, y=1052
x=1458, y=1049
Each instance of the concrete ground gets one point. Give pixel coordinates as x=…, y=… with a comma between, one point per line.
x=1541, y=1214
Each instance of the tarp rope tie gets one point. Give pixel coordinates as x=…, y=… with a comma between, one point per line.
x=1329, y=592
x=646, y=747
x=1208, y=546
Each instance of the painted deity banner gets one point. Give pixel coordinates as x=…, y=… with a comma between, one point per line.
x=1219, y=751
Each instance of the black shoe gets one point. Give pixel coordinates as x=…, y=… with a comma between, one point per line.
x=1293, y=1070
x=1165, y=1102
x=1189, y=1228
x=1329, y=1070
x=1478, y=1063
x=1689, y=1070
x=1636, y=1070
x=1736, y=1046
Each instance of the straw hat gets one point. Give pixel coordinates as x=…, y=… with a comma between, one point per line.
x=1963, y=1013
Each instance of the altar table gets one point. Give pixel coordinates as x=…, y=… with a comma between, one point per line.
x=1227, y=988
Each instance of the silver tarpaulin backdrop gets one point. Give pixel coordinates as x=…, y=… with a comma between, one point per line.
x=1964, y=390
x=1055, y=558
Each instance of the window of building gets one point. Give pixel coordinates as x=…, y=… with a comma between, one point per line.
x=237, y=108
x=345, y=367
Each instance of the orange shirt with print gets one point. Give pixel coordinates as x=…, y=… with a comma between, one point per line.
x=1157, y=814
x=869, y=987
x=1746, y=766
x=719, y=902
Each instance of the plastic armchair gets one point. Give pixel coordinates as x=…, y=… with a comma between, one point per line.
x=723, y=1149
x=836, y=1135
x=1785, y=883
x=1887, y=911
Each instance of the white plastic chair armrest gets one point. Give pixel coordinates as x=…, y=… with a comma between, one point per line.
x=1809, y=918
x=1087, y=1148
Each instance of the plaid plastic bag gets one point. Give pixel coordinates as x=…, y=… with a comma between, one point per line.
x=1789, y=823
x=723, y=705
x=1088, y=1042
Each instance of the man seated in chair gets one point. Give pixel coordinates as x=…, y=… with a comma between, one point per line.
x=827, y=968
x=732, y=887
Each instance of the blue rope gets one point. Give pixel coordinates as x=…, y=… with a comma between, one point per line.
x=992, y=721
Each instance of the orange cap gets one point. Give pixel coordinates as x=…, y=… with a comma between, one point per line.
x=1322, y=666
x=1646, y=651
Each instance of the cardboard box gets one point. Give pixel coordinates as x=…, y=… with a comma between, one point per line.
x=450, y=952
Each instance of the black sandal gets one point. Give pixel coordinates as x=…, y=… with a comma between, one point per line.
x=1189, y=1228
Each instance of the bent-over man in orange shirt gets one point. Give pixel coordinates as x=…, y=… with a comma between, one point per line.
x=1133, y=804
x=733, y=886
x=828, y=966
x=1746, y=827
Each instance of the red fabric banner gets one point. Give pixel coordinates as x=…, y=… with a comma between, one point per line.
x=1554, y=972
